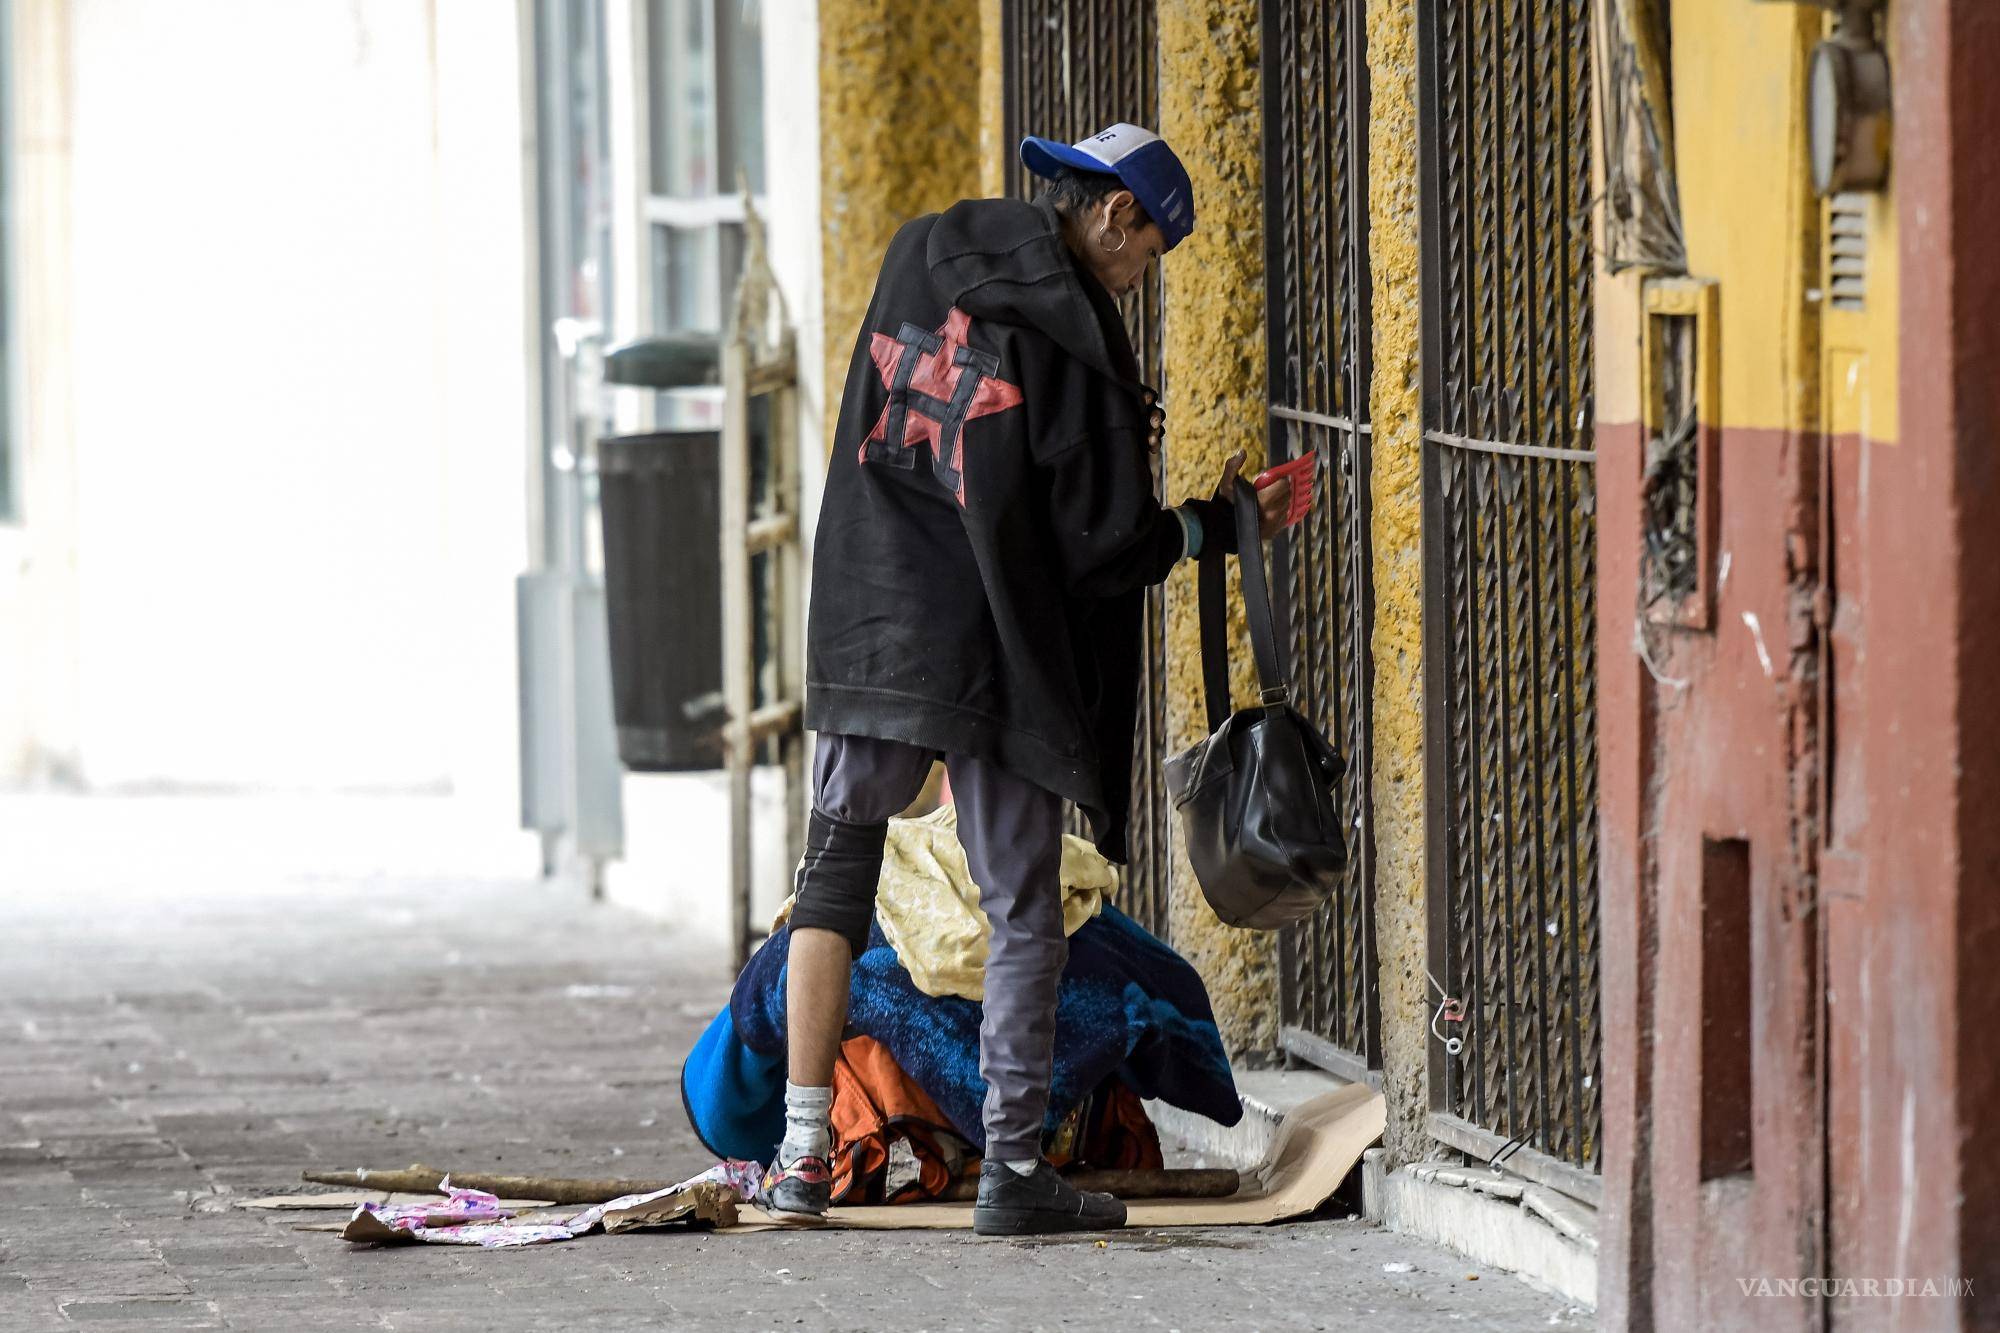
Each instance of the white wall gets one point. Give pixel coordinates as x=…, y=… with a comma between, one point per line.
x=489, y=356
x=791, y=175
x=299, y=371
x=38, y=602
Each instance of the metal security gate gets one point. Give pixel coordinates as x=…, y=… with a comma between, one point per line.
x=1510, y=583
x=1073, y=67
x=1316, y=204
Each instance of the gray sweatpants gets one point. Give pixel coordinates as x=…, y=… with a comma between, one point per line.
x=1012, y=833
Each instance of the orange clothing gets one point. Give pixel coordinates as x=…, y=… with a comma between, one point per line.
x=875, y=1103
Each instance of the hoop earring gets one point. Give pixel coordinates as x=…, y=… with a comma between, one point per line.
x=1111, y=249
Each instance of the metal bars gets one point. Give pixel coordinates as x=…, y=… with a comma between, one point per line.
x=1510, y=577
x=1071, y=68
x=1316, y=206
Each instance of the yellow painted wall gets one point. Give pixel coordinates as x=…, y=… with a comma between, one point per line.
x=1751, y=222
x=1395, y=409
x=1215, y=400
x=1753, y=226
x=899, y=127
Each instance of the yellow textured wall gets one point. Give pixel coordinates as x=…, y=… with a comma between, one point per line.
x=1215, y=400
x=992, y=104
x=899, y=128
x=1395, y=410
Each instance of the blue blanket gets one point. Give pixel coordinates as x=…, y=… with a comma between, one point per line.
x=1127, y=1005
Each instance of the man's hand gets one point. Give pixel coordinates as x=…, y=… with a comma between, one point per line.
x=1274, y=502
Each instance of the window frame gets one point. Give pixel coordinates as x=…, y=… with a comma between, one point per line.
x=722, y=207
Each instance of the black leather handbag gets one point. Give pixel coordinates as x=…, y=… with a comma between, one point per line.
x=1257, y=797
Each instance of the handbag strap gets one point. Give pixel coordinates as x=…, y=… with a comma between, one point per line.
x=1273, y=681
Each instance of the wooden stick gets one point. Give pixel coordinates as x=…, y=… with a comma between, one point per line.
x=1161, y=1184
x=420, y=1179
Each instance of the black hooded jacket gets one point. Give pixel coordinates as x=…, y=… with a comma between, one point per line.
x=989, y=523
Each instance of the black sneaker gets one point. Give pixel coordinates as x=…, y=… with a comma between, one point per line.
x=800, y=1192
x=1011, y=1204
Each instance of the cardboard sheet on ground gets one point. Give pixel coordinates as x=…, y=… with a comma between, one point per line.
x=1316, y=1145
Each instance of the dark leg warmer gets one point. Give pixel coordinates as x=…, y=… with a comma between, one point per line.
x=837, y=878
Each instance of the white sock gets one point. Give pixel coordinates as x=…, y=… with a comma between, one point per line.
x=806, y=1130
x=1024, y=1167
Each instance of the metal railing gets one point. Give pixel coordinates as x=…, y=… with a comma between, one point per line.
x=1316, y=208
x=1071, y=68
x=1510, y=576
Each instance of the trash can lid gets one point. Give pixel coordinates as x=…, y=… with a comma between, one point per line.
x=675, y=361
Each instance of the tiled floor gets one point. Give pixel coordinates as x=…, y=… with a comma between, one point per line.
x=201, y=996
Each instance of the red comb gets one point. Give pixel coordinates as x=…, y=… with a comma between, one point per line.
x=1300, y=472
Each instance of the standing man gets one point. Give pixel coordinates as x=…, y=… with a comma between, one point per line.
x=988, y=530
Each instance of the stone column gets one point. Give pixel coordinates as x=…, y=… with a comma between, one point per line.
x=1210, y=111
x=1396, y=411
x=899, y=134
x=994, y=151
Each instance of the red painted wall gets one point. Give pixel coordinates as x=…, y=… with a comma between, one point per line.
x=1900, y=912
x=1920, y=1165
x=1705, y=755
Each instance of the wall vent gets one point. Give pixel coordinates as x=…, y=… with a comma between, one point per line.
x=1847, y=250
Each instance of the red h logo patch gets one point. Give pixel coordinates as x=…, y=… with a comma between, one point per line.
x=936, y=384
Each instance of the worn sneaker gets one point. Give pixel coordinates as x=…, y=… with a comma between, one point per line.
x=799, y=1192
x=1011, y=1204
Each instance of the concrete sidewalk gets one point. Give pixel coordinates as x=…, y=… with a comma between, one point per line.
x=201, y=996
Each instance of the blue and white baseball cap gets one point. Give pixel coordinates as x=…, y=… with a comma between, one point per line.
x=1142, y=162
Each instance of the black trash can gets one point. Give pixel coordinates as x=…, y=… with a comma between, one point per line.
x=659, y=496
